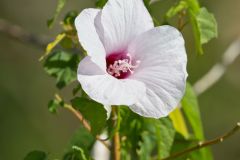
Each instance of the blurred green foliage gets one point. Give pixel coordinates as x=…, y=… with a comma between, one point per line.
x=145, y=135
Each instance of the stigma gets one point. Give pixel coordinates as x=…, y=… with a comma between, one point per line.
x=121, y=65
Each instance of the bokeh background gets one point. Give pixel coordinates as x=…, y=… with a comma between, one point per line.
x=25, y=89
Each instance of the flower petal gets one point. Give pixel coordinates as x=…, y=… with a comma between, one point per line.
x=106, y=89
x=88, y=36
x=108, y=109
x=162, y=69
x=120, y=21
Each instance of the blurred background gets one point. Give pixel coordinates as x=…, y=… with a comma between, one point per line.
x=25, y=89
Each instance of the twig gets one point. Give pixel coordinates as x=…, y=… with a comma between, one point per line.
x=18, y=33
x=82, y=120
x=116, y=137
x=205, y=144
x=218, y=70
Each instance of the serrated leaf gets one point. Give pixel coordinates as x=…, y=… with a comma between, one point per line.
x=146, y=146
x=60, y=5
x=165, y=136
x=162, y=134
x=63, y=66
x=207, y=25
x=92, y=111
x=131, y=128
x=36, y=155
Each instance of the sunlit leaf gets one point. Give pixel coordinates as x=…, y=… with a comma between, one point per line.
x=52, y=45
x=60, y=5
x=178, y=122
x=36, y=155
x=92, y=111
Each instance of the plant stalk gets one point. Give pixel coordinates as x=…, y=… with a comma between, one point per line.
x=116, y=137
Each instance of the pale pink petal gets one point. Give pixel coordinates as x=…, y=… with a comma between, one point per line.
x=120, y=21
x=106, y=89
x=162, y=69
x=88, y=36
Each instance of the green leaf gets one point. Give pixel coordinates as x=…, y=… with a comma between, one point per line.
x=82, y=139
x=146, y=146
x=176, y=9
x=180, y=144
x=92, y=111
x=161, y=133
x=100, y=3
x=193, y=5
x=191, y=110
x=53, y=106
x=70, y=18
x=165, y=136
x=131, y=127
x=77, y=153
x=207, y=25
x=60, y=5
x=36, y=155
x=63, y=66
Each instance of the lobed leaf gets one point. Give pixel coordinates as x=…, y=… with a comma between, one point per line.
x=63, y=66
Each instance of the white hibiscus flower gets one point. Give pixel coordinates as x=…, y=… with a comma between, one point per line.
x=129, y=61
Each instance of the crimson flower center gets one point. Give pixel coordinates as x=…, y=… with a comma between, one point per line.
x=121, y=65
